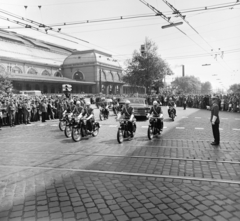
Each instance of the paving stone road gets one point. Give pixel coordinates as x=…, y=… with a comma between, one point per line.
x=178, y=176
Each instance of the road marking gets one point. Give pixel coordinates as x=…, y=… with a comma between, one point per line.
x=198, y=117
x=29, y=125
x=54, y=125
x=220, y=128
x=224, y=118
x=236, y=129
x=41, y=125
x=113, y=125
x=144, y=126
x=199, y=128
x=165, y=127
x=184, y=117
x=128, y=174
x=181, y=128
x=237, y=118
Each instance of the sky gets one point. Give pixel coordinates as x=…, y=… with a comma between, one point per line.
x=214, y=32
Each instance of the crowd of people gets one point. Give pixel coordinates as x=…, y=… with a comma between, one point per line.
x=19, y=109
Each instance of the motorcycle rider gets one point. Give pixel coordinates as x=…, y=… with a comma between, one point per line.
x=115, y=105
x=172, y=104
x=104, y=106
x=88, y=113
x=156, y=110
x=127, y=113
x=78, y=110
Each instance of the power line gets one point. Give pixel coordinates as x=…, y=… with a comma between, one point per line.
x=123, y=17
x=40, y=25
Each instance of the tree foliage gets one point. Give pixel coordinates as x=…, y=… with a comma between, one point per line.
x=206, y=87
x=188, y=84
x=5, y=82
x=235, y=88
x=148, y=70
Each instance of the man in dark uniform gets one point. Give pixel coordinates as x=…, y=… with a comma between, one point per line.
x=78, y=110
x=156, y=110
x=127, y=113
x=215, y=121
x=103, y=104
x=88, y=113
x=11, y=109
x=184, y=103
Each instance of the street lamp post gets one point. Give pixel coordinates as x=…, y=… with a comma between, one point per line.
x=100, y=80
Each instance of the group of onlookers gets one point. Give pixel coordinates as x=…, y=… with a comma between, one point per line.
x=19, y=109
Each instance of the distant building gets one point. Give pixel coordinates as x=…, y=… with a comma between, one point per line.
x=38, y=65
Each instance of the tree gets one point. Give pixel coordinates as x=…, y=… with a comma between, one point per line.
x=5, y=82
x=234, y=88
x=188, y=84
x=206, y=87
x=148, y=70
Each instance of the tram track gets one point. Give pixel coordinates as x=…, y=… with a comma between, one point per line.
x=126, y=174
x=222, y=160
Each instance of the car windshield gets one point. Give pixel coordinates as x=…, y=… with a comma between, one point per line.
x=137, y=101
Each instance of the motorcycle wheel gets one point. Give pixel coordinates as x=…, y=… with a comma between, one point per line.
x=62, y=125
x=68, y=131
x=150, y=133
x=119, y=136
x=76, y=134
x=173, y=117
x=95, y=132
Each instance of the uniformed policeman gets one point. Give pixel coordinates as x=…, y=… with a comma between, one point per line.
x=215, y=120
x=156, y=111
x=78, y=110
x=88, y=113
x=127, y=113
x=11, y=109
x=171, y=103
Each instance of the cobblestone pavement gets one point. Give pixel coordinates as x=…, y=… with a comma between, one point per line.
x=178, y=176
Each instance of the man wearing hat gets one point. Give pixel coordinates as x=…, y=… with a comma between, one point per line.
x=215, y=121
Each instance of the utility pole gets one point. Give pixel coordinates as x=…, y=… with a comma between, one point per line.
x=100, y=80
x=183, y=70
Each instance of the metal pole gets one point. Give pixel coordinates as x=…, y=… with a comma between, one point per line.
x=183, y=71
x=100, y=80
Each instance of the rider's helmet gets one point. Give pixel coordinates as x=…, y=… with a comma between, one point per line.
x=103, y=98
x=71, y=101
x=88, y=103
x=155, y=102
x=127, y=102
x=78, y=102
x=170, y=98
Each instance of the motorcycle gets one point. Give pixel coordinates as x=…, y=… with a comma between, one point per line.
x=79, y=130
x=103, y=115
x=123, y=132
x=62, y=122
x=69, y=123
x=171, y=113
x=115, y=109
x=153, y=130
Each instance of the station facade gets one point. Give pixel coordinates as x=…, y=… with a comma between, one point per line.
x=32, y=64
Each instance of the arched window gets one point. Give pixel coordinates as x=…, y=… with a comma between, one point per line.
x=58, y=74
x=32, y=71
x=2, y=70
x=37, y=87
x=117, y=89
x=18, y=86
x=78, y=76
x=103, y=89
x=52, y=90
x=46, y=73
x=110, y=89
x=16, y=70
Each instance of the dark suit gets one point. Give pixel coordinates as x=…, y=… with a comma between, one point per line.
x=215, y=126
